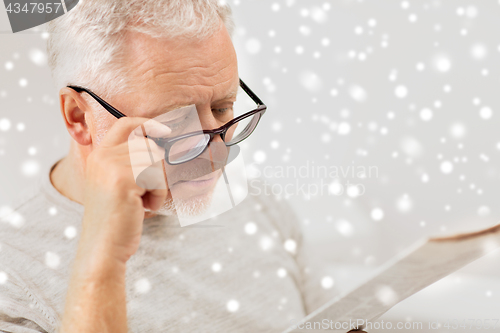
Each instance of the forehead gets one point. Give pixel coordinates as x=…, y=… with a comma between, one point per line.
x=168, y=73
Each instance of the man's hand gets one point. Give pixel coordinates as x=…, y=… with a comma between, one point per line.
x=112, y=224
x=114, y=203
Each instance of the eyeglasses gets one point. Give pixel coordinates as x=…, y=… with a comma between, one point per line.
x=188, y=146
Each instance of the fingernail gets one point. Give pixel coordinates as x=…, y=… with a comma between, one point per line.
x=138, y=131
x=157, y=129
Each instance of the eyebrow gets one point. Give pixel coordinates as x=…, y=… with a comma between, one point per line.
x=230, y=95
x=165, y=110
x=174, y=107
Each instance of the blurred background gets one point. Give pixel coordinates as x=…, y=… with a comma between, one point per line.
x=383, y=119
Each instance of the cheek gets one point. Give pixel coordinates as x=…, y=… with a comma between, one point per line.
x=230, y=132
x=99, y=125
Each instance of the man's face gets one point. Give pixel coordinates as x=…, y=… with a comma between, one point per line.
x=169, y=74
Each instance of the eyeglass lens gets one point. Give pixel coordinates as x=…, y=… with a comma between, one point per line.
x=185, y=121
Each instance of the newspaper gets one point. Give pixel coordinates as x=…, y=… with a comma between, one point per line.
x=424, y=263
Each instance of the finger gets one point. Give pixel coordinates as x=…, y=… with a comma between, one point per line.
x=151, y=177
x=143, y=153
x=142, y=145
x=153, y=128
x=120, y=131
x=154, y=199
x=147, y=175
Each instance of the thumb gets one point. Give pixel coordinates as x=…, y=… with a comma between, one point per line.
x=155, y=197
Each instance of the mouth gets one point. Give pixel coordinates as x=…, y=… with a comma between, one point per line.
x=198, y=183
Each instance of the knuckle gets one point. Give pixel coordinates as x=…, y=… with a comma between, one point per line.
x=118, y=180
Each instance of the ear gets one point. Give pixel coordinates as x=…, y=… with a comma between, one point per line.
x=76, y=112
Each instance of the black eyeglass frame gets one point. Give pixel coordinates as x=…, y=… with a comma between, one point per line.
x=168, y=143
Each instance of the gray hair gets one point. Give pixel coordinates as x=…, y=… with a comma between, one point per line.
x=85, y=44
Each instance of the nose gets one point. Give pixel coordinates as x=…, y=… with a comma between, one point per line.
x=216, y=152
x=208, y=121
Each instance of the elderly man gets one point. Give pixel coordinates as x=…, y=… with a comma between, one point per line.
x=98, y=253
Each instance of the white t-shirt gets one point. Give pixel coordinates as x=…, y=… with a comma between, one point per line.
x=209, y=277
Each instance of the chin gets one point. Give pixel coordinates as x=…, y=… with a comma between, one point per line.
x=186, y=207
x=190, y=198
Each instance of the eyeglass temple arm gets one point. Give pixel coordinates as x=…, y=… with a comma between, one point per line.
x=250, y=93
x=104, y=104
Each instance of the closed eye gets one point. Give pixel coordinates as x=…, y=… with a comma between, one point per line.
x=222, y=110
